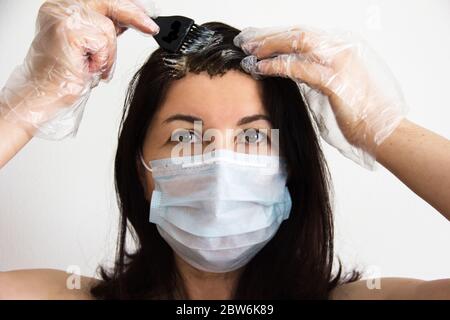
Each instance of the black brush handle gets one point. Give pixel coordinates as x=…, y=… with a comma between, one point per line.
x=173, y=31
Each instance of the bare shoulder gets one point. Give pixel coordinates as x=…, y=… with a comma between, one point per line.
x=44, y=284
x=392, y=289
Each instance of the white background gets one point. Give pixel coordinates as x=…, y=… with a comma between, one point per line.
x=57, y=205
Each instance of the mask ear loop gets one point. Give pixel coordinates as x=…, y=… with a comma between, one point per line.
x=145, y=164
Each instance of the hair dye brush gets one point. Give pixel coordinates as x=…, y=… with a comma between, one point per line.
x=180, y=34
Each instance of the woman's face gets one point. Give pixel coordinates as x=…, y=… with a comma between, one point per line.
x=201, y=113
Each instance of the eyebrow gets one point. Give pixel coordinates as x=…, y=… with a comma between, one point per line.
x=182, y=117
x=252, y=118
x=191, y=118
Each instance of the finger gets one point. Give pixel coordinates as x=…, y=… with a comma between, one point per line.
x=90, y=54
x=297, y=68
x=96, y=49
x=125, y=13
x=110, y=31
x=251, y=33
x=278, y=38
x=284, y=43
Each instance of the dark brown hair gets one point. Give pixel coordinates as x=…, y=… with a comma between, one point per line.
x=296, y=263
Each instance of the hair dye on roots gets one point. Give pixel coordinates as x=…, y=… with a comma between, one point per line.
x=178, y=63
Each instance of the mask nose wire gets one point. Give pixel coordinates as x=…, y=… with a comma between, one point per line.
x=145, y=164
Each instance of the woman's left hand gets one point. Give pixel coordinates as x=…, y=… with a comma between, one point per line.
x=364, y=97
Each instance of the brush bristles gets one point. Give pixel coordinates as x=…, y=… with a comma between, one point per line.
x=196, y=39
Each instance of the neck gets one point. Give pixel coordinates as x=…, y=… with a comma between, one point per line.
x=202, y=285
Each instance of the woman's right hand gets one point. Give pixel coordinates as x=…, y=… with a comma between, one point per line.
x=73, y=49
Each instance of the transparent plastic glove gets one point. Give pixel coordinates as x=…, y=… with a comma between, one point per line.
x=352, y=95
x=73, y=49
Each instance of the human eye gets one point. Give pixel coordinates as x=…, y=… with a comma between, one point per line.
x=185, y=136
x=253, y=136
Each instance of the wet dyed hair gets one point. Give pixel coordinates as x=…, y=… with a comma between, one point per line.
x=296, y=263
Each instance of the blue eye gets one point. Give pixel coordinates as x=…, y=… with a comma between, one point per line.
x=185, y=136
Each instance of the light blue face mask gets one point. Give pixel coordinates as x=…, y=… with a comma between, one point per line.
x=217, y=210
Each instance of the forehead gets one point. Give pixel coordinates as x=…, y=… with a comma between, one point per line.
x=218, y=100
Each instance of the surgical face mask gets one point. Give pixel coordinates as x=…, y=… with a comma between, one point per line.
x=218, y=210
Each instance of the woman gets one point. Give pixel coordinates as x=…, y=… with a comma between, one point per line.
x=168, y=96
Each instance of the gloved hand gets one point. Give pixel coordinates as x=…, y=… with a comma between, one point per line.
x=73, y=49
x=354, y=99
